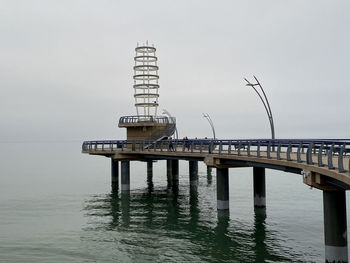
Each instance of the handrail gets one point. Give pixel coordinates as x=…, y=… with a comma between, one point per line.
x=146, y=118
x=292, y=149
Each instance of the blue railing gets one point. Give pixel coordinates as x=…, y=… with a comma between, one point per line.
x=310, y=151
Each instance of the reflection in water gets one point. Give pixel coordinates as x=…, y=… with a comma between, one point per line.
x=260, y=234
x=150, y=182
x=125, y=208
x=209, y=175
x=162, y=223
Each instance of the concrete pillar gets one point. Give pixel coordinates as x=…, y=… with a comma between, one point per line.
x=114, y=173
x=259, y=187
x=150, y=176
x=335, y=228
x=169, y=172
x=193, y=170
x=209, y=175
x=125, y=176
x=222, y=189
x=175, y=171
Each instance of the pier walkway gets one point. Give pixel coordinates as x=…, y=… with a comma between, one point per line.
x=323, y=164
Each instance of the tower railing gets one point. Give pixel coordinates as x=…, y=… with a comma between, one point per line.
x=146, y=118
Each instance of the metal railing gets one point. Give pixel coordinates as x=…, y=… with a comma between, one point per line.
x=320, y=152
x=146, y=118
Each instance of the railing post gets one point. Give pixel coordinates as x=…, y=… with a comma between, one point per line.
x=175, y=146
x=192, y=146
x=269, y=150
x=248, y=150
x=279, y=151
x=258, y=150
x=220, y=147
x=320, y=150
x=201, y=147
x=330, y=158
x=298, y=153
x=309, y=153
x=239, y=148
x=210, y=147
x=289, y=150
x=340, y=159
x=229, y=148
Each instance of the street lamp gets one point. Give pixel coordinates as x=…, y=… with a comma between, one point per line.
x=210, y=122
x=265, y=101
x=165, y=112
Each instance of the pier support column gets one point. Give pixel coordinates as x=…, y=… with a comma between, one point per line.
x=209, y=176
x=175, y=171
x=193, y=170
x=114, y=173
x=150, y=176
x=125, y=175
x=259, y=187
x=335, y=227
x=222, y=189
x=169, y=172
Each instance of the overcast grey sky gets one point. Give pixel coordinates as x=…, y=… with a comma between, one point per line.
x=66, y=66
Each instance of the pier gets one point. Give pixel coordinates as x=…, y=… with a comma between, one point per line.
x=323, y=164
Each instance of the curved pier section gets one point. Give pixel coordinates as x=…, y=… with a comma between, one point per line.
x=323, y=164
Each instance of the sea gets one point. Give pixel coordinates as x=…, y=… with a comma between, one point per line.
x=57, y=205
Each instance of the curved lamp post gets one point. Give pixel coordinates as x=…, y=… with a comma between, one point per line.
x=210, y=122
x=265, y=101
x=165, y=112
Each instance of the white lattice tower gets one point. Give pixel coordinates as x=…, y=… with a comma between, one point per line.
x=146, y=80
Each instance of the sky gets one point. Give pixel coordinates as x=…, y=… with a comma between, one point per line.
x=66, y=66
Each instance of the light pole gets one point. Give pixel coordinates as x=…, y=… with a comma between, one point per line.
x=259, y=185
x=165, y=112
x=265, y=101
x=210, y=122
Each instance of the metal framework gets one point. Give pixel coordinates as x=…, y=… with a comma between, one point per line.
x=167, y=113
x=146, y=80
x=207, y=116
x=266, y=103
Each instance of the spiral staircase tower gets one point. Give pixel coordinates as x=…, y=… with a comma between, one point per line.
x=147, y=125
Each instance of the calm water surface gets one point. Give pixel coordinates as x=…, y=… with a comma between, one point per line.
x=57, y=205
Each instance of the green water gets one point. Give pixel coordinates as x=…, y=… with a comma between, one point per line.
x=57, y=206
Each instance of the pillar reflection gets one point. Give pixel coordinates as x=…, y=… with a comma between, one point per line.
x=209, y=175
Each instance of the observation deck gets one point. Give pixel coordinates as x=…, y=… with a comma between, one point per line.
x=148, y=127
